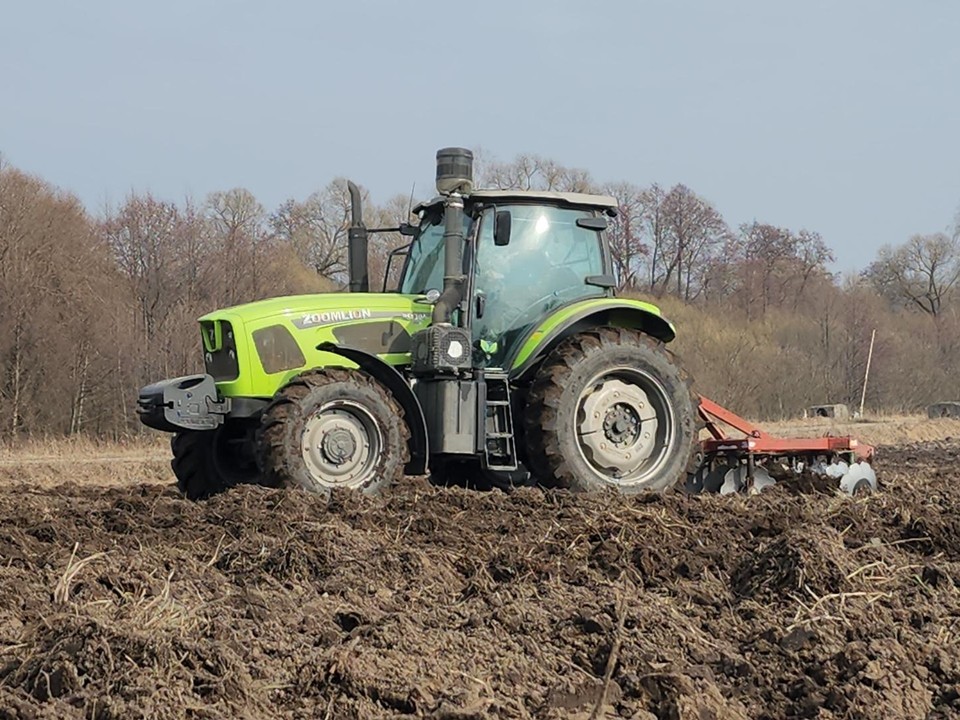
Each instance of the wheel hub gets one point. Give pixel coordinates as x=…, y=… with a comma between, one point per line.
x=338, y=446
x=341, y=444
x=621, y=425
x=618, y=428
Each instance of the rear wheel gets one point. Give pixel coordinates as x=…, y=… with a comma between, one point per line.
x=332, y=428
x=609, y=409
x=207, y=462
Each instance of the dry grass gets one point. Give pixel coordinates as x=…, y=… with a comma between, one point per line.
x=82, y=446
x=51, y=461
x=874, y=430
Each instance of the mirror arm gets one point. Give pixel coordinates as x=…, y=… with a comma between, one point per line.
x=404, y=229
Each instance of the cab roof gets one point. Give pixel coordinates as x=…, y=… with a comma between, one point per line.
x=603, y=202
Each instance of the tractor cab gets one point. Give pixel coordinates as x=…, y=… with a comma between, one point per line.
x=525, y=255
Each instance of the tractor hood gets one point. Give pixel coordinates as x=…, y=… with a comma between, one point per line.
x=252, y=349
x=318, y=309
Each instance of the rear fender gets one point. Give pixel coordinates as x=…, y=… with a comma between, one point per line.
x=585, y=315
x=388, y=376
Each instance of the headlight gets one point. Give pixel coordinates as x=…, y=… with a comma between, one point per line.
x=220, y=350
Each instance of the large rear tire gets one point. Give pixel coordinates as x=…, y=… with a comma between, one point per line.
x=207, y=462
x=332, y=428
x=609, y=409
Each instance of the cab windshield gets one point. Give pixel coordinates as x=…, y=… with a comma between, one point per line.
x=424, y=267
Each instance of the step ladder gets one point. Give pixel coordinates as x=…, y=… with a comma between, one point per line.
x=499, y=444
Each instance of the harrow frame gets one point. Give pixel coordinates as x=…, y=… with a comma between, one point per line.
x=758, y=445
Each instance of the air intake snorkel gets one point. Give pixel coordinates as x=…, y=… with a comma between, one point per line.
x=454, y=178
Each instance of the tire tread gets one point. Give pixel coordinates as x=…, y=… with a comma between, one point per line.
x=276, y=458
x=542, y=417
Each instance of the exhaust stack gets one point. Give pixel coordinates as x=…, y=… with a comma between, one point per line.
x=357, y=236
x=454, y=178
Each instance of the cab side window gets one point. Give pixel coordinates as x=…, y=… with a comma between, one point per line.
x=544, y=266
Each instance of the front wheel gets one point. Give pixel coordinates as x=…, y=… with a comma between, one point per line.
x=608, y=408
x=332, y=428
x=207, y=462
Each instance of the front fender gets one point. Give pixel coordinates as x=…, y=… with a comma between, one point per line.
x=584, y=315
x=397, y=385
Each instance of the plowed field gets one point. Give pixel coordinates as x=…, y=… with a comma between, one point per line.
x=125, y=601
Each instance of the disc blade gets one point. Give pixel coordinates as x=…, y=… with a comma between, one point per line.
x=860, y=477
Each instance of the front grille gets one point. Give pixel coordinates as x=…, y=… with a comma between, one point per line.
x=220, y=350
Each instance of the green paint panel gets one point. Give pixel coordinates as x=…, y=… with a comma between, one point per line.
x=311, y=320
x=562, y=316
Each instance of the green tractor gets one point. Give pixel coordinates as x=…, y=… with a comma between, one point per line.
x=503, y=358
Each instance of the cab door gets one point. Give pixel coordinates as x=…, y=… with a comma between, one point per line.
x=543, y=267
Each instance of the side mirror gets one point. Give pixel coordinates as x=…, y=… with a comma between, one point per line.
x=501, y=228
x=592, y=223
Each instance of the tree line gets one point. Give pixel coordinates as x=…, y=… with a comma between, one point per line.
x=92, y=307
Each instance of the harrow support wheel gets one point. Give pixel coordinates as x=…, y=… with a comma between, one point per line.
x=332, y=428
x=610, y=409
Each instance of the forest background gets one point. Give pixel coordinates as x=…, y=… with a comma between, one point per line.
x=95, y=304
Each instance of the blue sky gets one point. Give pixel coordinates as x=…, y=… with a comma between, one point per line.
x=841, y=117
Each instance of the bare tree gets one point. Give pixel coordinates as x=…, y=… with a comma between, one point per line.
x=142, y=236
x=775, y=267
x=533, y=172
x=921, y=273
x=316, y=228
x=655, y=230
x=238, y=221
x=55, y=307
x=627, y=247
x=393, y=213
x=811, y=257
x=691, y=231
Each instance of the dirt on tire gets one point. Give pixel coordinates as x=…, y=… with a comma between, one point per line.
x=120, y=602
x=282, y=430
x=552, y=428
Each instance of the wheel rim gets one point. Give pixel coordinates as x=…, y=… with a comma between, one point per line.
x=625, y=426
x=341, y=444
